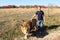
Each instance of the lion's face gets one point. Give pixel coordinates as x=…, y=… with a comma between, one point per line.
x=25, y=27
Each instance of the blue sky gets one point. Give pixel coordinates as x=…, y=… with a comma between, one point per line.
x=29, y=2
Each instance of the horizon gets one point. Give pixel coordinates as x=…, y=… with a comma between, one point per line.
x=29, y=2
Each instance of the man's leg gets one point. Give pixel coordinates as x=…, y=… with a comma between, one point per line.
x=38, y=26
x=41, y=24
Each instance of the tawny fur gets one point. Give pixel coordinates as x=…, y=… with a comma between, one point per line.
x=27, y=26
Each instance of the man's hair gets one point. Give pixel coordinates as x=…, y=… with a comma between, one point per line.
x=39, y=6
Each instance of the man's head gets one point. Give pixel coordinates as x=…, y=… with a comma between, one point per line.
x=39, y=8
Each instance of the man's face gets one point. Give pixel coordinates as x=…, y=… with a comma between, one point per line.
x=39, y=8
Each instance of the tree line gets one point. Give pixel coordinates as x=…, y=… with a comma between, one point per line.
x=21, y=6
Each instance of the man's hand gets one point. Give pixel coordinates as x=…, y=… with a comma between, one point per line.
x=43, y=21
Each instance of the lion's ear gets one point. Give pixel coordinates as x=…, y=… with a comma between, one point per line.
x=23, y=20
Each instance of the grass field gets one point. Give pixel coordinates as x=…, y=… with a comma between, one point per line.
x=10, y=20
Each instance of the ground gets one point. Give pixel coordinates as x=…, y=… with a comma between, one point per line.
x=51, y=36
x=11, y=19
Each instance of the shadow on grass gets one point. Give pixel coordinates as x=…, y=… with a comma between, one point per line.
x=44, y=33
x=53, y=27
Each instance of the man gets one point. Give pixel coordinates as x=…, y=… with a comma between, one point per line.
x=41, y=18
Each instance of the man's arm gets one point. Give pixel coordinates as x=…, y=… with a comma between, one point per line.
x=44, y=18
x=33, y=16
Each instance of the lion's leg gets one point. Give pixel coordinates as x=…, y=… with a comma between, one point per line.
x=26, y=34
x=24, y=30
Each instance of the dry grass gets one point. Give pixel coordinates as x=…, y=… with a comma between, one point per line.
x=53, y=36
x=10, y=20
